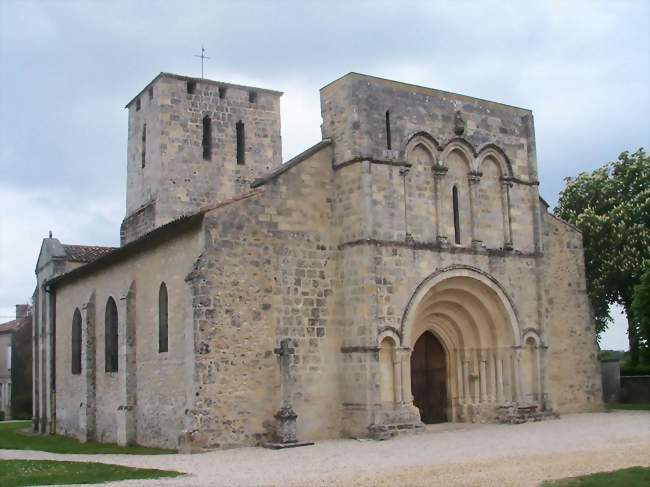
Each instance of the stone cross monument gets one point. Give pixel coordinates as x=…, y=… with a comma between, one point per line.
x=286, y=415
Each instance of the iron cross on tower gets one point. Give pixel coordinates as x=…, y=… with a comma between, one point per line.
x=203, y=57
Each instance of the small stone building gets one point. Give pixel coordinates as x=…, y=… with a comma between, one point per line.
x=407, y=256
x=15, y=371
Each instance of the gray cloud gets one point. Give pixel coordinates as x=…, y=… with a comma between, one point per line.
x=68, y=67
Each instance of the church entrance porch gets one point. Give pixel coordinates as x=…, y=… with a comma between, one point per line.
x=466, y=359
x=429, y=379
x=458, y=356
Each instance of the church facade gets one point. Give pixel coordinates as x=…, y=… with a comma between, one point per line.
x=407, y=258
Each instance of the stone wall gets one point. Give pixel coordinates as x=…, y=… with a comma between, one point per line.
x=175, y=175
x=268, y=273
x=145, y=400
x=406, y=192
x=572, y=368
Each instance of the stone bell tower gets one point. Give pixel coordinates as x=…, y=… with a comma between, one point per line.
x=193, y=142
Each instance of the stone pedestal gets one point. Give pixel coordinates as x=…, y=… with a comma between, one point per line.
x=287, y=430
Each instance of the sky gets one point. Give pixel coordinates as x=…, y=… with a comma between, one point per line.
x=67, y=68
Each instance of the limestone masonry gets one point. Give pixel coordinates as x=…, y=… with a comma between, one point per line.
x=407, y=257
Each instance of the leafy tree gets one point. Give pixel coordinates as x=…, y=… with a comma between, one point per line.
x=611, y=207
x=641, y=308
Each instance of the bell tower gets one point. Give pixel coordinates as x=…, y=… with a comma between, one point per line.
x=193, y=142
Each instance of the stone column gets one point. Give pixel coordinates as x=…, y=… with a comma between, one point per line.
x=476, y=385
x=459, y=375
x=492, y=375
x=466, y=390
x=88, y=412
x=507, y=218
x=483, y=377
x=407, y=395
x=474, y=179
x=401, y=354
x=516, y=376
x=439, y=171
x=500, y=391
x=127, y=372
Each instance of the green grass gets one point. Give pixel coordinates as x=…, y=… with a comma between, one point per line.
x=12, y=438
x=628, y=477
x=17, y=473
x=629, y=407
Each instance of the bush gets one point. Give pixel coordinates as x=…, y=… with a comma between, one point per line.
x=642, y=369
x=2, y=415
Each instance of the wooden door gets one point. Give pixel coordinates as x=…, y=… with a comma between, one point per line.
x=429, y=379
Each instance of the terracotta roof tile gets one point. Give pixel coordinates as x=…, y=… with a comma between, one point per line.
x=9, y=326
x=86, y=253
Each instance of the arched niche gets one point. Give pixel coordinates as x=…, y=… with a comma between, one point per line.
x=490, y=208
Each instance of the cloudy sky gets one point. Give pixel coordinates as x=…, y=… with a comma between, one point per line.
x=67, y=68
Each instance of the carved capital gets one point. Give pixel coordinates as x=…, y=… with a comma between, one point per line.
x=439, y=170
x=474, y=177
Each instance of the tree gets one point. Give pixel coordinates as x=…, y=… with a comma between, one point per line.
x=611, y=207
x=641, y=308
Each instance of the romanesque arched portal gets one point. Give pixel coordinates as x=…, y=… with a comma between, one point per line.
x=472, y=319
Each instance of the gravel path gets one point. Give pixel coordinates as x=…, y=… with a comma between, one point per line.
x=446, y=455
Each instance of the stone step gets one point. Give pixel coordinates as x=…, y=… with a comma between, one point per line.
x=391, y=430
x=523, y=413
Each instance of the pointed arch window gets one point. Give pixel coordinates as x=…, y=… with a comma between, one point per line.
x=110, y=336
x=454, y=197
x=76, y=342
x=163, y=314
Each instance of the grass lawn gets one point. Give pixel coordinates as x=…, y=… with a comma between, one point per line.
x=11, y=438
x=629, y=407
x=628, y=477
x=16, y=473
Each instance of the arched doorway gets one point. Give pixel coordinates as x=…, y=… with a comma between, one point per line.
x=429, y=379
x=461, y=318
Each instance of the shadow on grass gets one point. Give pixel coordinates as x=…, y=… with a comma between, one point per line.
x=16, y=436
x=627, y=477
x=18, y=473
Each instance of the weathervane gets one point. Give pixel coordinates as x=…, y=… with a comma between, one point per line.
x=202, y=56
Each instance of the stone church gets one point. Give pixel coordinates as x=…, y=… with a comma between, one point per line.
x=406, y=258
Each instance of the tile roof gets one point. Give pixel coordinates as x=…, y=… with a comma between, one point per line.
x=168, y=230
x=86, y=253
x=9, y=326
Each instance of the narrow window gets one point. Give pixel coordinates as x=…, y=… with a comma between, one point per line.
x=137, y=105
x=110, y=336
x=222, y=92
x=144, y=145
x=151, y=93
x=163, y=308
x=456, y=216
x=76, y=342
x=207, y=138
x=388, y=130
x=252, y=96
x=191, y=86
x=241, y=142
